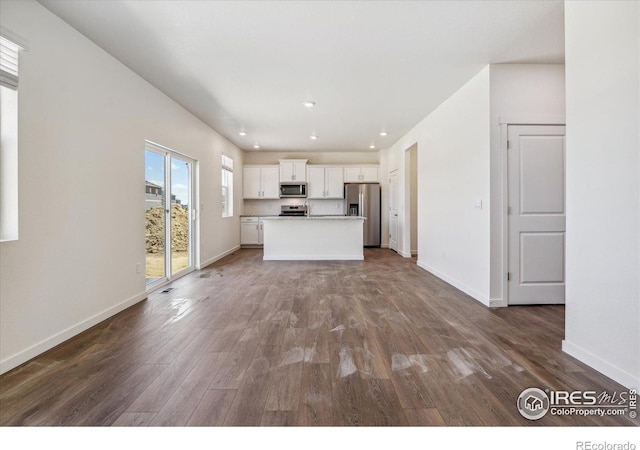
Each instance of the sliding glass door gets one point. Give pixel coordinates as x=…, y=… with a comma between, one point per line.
x=180, y=237
x=169, y=214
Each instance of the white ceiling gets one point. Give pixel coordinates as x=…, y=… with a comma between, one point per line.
x=369, y=65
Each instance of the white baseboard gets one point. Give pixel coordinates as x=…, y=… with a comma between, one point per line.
x=457, y=284
x=313, y=258
x=217, y=257
x=405, y=254
x=626, y=379
x=23, y=356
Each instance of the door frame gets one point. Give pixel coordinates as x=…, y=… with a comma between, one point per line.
x=505, y=122
x=409, y=196
x=391, y=174
x=193, y=219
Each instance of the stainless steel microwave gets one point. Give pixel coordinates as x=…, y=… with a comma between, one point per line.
x=293, y=189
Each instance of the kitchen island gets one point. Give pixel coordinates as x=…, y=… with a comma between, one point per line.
x=313, y=238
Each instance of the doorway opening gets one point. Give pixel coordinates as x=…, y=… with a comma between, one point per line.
x=169, y=215
x=411, y=202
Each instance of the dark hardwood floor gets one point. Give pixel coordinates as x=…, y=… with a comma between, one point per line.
x=246, y=342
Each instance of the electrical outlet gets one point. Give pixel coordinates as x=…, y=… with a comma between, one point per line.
x=138, y=268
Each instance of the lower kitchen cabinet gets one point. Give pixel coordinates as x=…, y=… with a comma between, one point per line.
x=251, y=231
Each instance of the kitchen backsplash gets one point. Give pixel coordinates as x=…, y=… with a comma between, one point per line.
x=272, y=207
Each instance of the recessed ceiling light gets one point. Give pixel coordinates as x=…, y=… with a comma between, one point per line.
x=383, y=133
x=372, y=146
x=242, y=133
x=313, y=137
x=309, y=104
x=256, y=146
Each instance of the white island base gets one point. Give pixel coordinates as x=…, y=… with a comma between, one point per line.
x=313, y=238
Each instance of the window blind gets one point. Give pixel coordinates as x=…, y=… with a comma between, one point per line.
x=8, y=63
x=227, y=163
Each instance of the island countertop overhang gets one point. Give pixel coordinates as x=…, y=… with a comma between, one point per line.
x=314, y=218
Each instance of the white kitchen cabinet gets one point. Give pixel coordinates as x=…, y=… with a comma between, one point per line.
x=293, y=170
x=251, y=231
x=325, y=182
x=361, y=174
x=261, y=182
x=270, y=183
x=334, y=182
x=315, y=186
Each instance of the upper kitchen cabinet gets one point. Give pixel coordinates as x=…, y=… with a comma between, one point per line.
x=361, y=174
x=325, y=182
x=261, y=182
x=293, y=170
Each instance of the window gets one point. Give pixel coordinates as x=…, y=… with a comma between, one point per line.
x=8, y=140
x=227, y=186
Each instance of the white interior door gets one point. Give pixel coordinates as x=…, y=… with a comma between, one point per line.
x=393, y=211
x=536, y=215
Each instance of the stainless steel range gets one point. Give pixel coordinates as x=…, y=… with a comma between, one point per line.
x=293, y=210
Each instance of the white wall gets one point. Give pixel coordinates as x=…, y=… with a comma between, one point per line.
x=260, y=157
x=520, y=93
x=603, y=187
x=83, y=121
x=453, y=174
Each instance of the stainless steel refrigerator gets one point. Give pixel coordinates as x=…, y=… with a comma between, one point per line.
x=363, y=199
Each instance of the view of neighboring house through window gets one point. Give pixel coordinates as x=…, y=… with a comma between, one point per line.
x=227, y=186
x=8, y=140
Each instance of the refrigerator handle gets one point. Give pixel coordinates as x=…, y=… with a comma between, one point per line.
x=361, y=203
